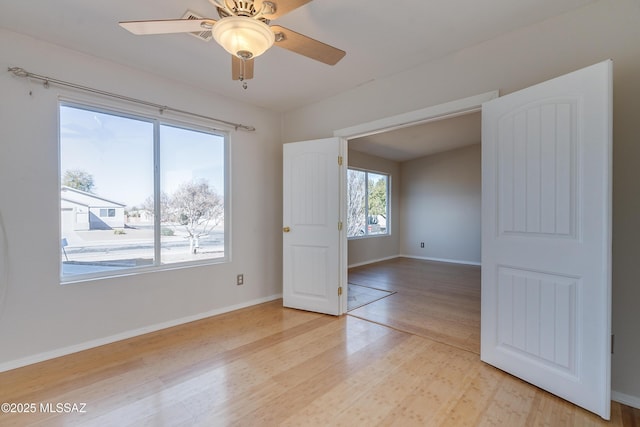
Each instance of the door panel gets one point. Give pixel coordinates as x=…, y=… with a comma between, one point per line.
x=311, y=238
x=536, y=179
x=309, y=274
x=546, y=235
x=546, y=330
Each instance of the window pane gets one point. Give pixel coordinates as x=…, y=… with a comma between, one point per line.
x=368, y=203
x=192, y=194
x=106, y=166
x=377, y=219
x=356, y=213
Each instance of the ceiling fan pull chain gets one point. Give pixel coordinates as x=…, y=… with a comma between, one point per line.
x=242, y=71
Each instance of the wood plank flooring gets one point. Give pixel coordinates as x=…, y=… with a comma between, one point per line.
x=363, y=295
x=267, y=366
x=436, y=300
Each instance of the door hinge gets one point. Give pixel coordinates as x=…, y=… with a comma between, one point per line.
x=339, y=290
x=340, y=160
x=339, y=225
x=613, y=342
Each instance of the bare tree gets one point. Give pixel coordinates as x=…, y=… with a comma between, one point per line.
x=356, y=196
x=196, y=207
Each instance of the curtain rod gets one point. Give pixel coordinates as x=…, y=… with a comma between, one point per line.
x=21, y=72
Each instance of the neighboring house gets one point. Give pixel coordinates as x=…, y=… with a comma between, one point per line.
x=139, y=216
x=83, y=211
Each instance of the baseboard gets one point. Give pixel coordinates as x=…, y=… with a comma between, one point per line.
x=18, y=363
x=633, y=401
x=359, y=264
x=451, y=261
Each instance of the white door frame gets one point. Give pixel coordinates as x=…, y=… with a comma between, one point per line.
x=433, y=113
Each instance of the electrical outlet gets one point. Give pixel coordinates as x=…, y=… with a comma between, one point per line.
x=422, y=244
x=240, y=279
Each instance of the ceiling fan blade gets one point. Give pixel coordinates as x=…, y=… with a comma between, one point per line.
x=282, y=7
x=168, y=26
x=241, y=69
x=307, y=46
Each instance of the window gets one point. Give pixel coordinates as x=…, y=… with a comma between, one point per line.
x=368, y=203
x=138, y=193
x=107, y=212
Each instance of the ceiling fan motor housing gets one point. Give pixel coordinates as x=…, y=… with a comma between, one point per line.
x=239, y=8
x=245, y=8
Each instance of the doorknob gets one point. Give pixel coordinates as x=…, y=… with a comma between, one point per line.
x=286, y=229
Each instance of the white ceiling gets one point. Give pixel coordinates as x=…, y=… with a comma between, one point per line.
x=422, y=140
x=380, y=37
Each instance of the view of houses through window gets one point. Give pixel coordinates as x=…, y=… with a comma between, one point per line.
x=137, y=193
x=367, y=204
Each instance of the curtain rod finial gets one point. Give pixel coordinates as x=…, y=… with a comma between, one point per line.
x=17, y=71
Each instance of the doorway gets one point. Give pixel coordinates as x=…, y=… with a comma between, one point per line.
x=390, y=127
x=424, y=276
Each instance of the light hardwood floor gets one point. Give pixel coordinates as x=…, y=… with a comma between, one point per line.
x=435, y=300
x=266, y=365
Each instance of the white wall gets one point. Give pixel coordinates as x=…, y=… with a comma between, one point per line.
x=440, y=205
x=605, y=29
x=371, y=249
x=39, y=317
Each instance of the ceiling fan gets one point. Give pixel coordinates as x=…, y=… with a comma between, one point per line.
x=245, y=32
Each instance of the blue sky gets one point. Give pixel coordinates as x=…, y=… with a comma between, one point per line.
x=118, y=152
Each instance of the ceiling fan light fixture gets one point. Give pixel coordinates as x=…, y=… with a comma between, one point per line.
x=242, y=36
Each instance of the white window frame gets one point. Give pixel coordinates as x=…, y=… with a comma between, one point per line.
x=157, y=118
x=108, y=213
x=366, y=204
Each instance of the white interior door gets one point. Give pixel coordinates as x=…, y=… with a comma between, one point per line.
x=313, y=270
x=546, y=235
